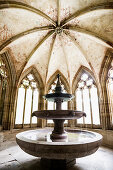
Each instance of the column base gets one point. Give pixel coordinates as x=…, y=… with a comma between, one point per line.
x=55, y=164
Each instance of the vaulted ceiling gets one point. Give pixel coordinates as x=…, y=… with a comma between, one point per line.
x=53, y=35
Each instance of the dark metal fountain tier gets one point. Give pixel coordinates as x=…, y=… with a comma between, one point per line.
x=58, y=116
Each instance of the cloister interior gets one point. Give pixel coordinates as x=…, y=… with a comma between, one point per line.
x=40, y=39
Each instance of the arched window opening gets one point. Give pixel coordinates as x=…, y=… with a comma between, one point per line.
x=27, y=101
x=110, y=91
x=52, y=105
x=87, y=100
x=3, y=87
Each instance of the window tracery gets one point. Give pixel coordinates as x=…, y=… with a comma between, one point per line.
x=27, y=101
x=87, y=100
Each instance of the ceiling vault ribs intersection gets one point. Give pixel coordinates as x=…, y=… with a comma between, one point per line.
x=47, y=33
x=76, y=44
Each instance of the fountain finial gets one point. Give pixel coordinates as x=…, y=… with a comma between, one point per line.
x=58, y=88
x=58, y=81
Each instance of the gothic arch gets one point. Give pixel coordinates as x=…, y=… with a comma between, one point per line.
x=63, y=80
x=10, y=91
x=36, y=74
x=77, y=76
x=104, y=98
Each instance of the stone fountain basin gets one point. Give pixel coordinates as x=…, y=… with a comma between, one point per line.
x=58, y=114
x=38, y=143
x=56, y=96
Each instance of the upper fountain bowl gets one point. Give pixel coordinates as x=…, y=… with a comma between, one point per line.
x=58, y=95
x=61, y=96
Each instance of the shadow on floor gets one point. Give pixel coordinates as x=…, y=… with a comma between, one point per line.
x=34, y=165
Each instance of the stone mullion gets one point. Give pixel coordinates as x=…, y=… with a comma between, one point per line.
x=45, y=108
x=41, y=122
x=7, y=106
x=53, y=105
x=15, y=107
x=74, y=108
x=82, y=105
x=1, y=96
x=12, y=103
x=89, y=90
x=2, y=103
x=24, y=107
x=105, y=109
x=109, y=101
x=70, y=122
x=31, y=107
x=1, y=88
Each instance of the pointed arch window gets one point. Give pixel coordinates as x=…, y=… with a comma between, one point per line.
x=3, y=87
x=52, y=105
x=27, y=101
x=87, y=100
x=110, y=91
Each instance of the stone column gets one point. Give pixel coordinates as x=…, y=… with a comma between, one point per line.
x=41, y=122
x=104, y=107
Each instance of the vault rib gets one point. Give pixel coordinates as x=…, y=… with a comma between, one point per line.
x=22, y=34
x=77, y=45
x=58, y=11
x=91, y=34
x=50, y=53
x=38, y=45
x=15, y=4
x=34, y=50
x=68, y=68
x=86, y=10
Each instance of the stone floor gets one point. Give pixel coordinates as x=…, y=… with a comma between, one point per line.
x=13, y=158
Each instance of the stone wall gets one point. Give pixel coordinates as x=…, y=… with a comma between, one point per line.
x=107, y=136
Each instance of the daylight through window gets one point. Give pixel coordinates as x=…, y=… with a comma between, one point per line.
x=27, y=101
x=87, y=100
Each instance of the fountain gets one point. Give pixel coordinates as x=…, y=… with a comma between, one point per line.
x=58, y=148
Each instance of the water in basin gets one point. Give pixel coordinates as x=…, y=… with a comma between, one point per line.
x=43, y=135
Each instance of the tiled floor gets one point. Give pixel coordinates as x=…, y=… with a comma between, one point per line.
x=13, y=158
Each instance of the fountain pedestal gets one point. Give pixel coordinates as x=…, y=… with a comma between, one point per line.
x=58, y=134
x=57, y=164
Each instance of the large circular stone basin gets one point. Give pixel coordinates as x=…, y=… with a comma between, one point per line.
x=79, y=144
